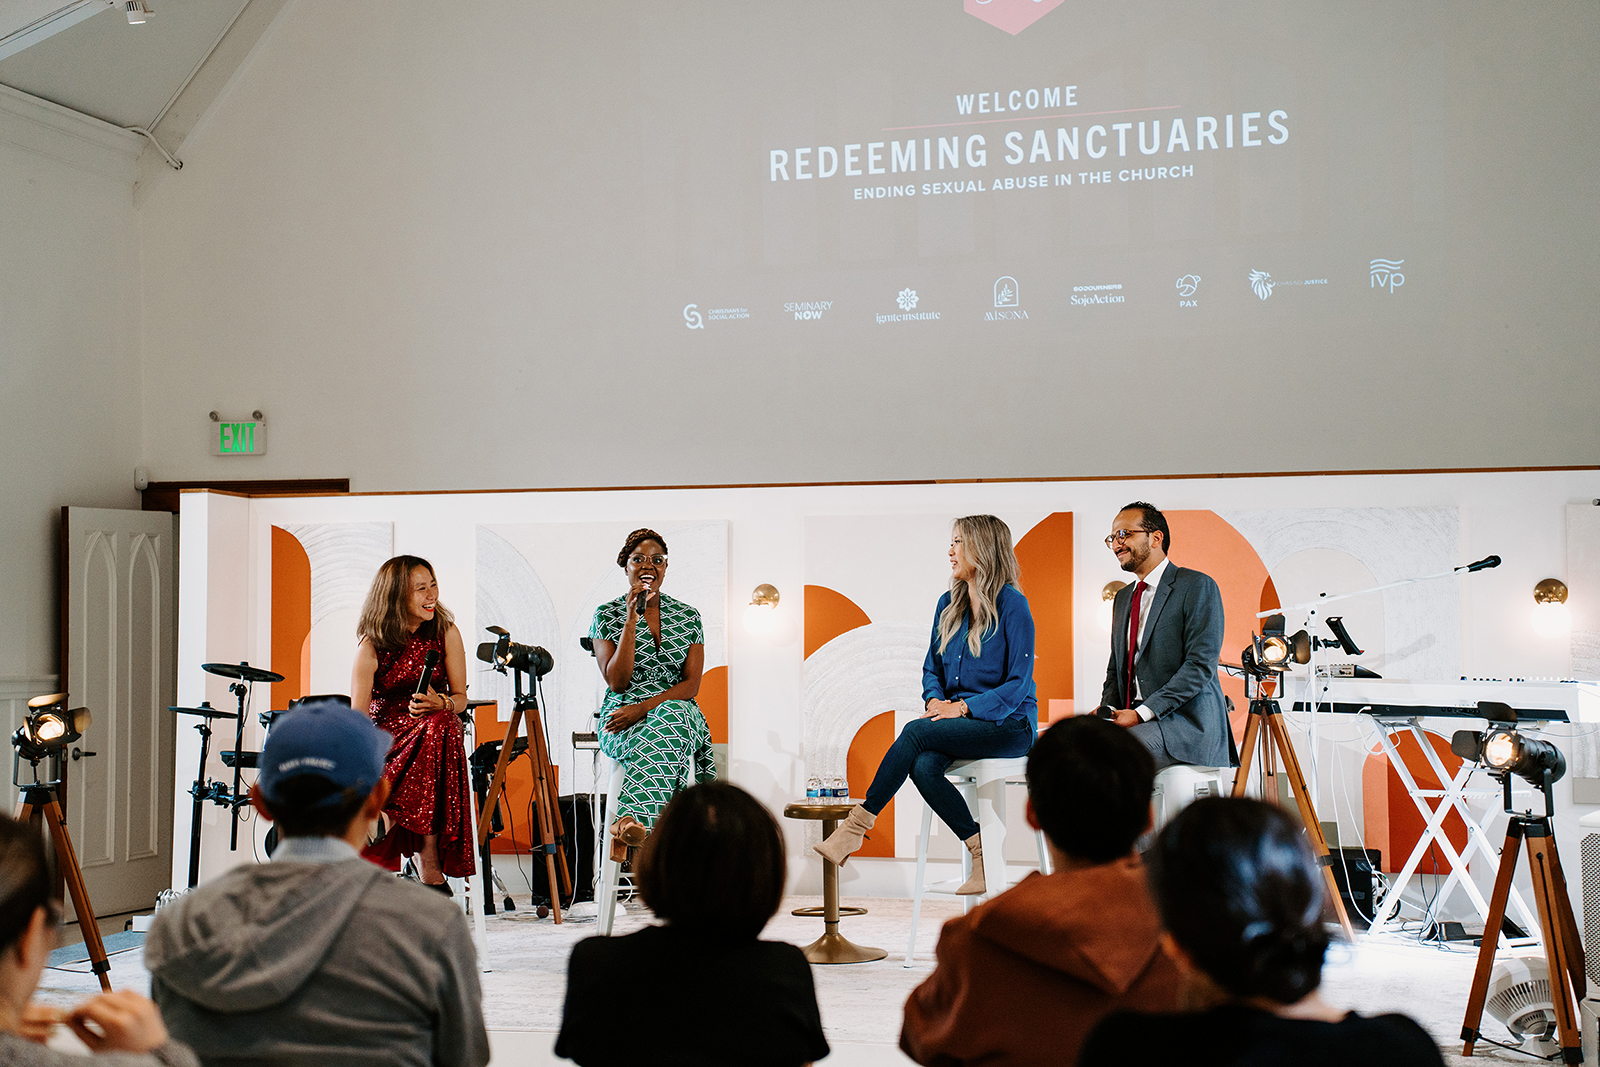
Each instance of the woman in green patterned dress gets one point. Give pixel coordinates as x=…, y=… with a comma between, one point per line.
x=649, y=721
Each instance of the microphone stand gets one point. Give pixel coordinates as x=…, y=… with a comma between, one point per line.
x=1310, y=608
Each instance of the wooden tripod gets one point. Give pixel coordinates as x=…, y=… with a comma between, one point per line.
x=39, y=801
x=1266, y=731
x=1563, y=949
x=546, y=808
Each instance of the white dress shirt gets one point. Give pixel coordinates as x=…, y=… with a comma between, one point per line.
x=1151, y=581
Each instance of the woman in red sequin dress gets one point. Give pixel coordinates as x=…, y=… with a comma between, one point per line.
x=427, y=815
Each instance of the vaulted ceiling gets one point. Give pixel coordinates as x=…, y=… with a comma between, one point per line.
x=159, y=75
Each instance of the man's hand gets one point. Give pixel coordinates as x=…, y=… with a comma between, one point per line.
x=1126, y=717
x=122, y=1021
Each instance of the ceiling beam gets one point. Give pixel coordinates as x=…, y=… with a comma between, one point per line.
x=24, y=23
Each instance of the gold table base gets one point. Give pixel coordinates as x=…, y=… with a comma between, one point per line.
x=832, y=946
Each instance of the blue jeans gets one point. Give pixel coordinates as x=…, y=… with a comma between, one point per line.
x=926, y=748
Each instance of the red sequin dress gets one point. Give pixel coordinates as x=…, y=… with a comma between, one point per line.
x=427, y=765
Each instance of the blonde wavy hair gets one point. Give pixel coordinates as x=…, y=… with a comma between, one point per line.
x=383, y=616
x=987, y=543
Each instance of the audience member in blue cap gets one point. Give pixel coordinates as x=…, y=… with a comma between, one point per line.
x=319, y=956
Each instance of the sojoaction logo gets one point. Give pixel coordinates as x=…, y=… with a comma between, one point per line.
x=804, y=310
x=1091, y=295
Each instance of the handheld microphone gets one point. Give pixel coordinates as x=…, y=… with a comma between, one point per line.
x=644, y=597
x=429, y=662
x=1486, y=563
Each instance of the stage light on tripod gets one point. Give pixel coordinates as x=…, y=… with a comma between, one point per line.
x=49, y=726
x=1508, y=751
x=1276, y=651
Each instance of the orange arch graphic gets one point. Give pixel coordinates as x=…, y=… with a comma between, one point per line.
x=867, y=750
x=829, y=613
x=713, y=701
x=291, y=616
x=1045, y=555
x=1204, y=541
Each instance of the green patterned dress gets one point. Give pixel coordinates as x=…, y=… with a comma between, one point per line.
x=670, y=747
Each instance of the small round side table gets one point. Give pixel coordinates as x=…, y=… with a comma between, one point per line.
x=832, y=946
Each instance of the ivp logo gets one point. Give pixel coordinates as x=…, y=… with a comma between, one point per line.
x=1261, y=283
x=691, y=317
x=1385, y=275
x=1013, y=16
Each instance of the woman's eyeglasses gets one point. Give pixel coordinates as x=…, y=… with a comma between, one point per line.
x=638, y=560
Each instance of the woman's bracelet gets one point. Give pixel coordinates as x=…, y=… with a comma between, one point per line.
x=449, y=702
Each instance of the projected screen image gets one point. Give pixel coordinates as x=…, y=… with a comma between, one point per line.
x=1091, y=177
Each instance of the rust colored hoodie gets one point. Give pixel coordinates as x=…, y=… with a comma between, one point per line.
x=1023, y=978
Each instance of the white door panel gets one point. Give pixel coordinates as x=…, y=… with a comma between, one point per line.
x=119, y=654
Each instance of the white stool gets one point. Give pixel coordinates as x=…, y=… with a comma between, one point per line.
x=605, y=895
x=1179, y=786
x=983, y=783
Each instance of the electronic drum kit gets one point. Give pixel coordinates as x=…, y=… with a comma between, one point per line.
x=220, y=793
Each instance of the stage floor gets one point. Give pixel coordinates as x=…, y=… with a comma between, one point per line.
x=861, y=1003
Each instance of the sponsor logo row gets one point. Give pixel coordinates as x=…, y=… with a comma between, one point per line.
x=1384, y=275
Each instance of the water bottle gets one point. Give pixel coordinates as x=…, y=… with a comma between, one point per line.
x=840, y=789
x=813, y=788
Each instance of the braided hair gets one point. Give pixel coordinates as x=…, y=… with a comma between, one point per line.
x=637, y=538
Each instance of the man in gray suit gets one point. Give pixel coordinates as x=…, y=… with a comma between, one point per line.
x=1168, y=625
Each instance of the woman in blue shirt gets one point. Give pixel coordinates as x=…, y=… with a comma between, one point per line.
x=977, y=691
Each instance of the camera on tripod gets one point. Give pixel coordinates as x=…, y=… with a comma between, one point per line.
x=504, y=654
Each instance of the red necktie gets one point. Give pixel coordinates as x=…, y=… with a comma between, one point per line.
x=1133, y=637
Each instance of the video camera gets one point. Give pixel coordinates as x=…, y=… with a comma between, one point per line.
x=504, y=654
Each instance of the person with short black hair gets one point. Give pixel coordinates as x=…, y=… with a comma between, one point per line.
x=123, y=1027
x=1081, y=940
x=700, y=988
x=1242, y=900
x=319, y=956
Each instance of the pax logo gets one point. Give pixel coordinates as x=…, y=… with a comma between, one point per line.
x=1013, y=16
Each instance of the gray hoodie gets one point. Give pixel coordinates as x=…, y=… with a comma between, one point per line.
x=318, y=962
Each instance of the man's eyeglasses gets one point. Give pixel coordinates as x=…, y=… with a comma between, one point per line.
x=1117, y=537
x=638, y=560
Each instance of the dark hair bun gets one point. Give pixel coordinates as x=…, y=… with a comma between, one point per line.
x=1238, y=889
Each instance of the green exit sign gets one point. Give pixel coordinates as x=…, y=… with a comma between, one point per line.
x=242, y=438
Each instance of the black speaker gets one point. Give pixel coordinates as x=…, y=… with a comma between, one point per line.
x=1352, y=870
x=578, y=841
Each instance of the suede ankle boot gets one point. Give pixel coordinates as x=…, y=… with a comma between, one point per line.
x=848, y=837
x=974, y=885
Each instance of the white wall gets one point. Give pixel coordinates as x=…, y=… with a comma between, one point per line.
x=447, y=247
x=69, y=356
